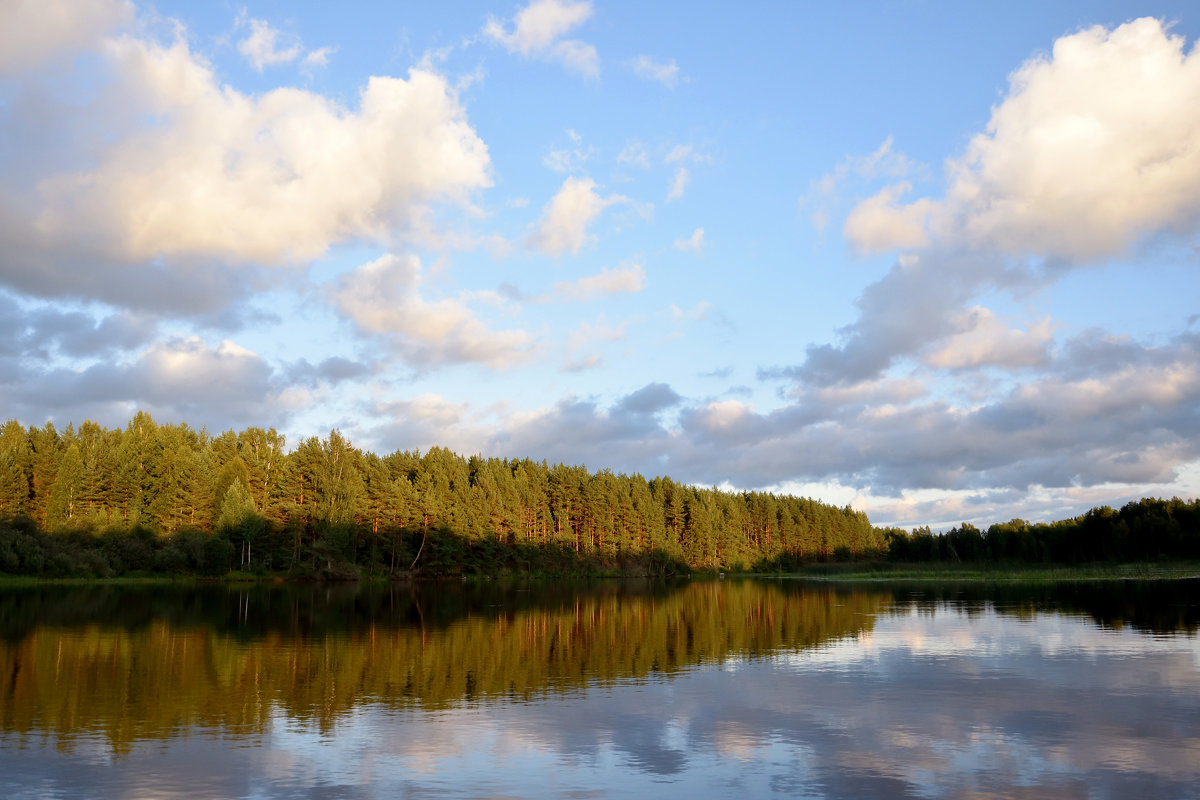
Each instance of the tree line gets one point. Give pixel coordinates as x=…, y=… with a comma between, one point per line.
x=1141, y=530
x=154, y=497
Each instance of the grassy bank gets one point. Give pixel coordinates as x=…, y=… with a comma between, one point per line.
x=876, y=571
x=1010, y=572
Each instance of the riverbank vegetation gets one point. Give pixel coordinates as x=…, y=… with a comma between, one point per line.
x=894, y=572
x=1144, y=530
x=168, y=500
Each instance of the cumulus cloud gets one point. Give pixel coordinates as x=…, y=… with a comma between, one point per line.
x=269, y=179
x=331, y=371
x=79, y=334
x=383, y=298
x=984, y=340
x=168, y=179
x=427, y=420
x=32, y=33
x=44, y=333
x=879, y=224
x=575, y=431
x=914, y=305
x=182, y=379
x=565, y=219
x=538, y=30
x=650, y=399
x=692, y=244
x=1132, y=424
x=664, y=72
x=1093, y=147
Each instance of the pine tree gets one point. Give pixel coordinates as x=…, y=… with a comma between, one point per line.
x=16, y=459
x=240, y=520
x=63, y=502
x=46, y=449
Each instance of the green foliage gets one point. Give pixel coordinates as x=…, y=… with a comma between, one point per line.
x=237, y=507
x=165, y=498
x=1143, y=530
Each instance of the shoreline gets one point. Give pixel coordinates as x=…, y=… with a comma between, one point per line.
x=823, y=573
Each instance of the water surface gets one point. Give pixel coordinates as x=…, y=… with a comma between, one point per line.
x=735, y=688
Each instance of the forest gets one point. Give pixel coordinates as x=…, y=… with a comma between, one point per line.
x=1149, y=529
x=166, y=499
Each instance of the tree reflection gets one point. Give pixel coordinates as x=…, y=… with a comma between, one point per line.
x=149, y=662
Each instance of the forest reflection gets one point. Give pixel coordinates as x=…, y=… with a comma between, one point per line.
x=135, y=663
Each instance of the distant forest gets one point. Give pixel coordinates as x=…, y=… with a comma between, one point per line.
x=1149, y=529
x=168, y=499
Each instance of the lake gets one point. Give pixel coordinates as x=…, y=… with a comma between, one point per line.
x=737, y=688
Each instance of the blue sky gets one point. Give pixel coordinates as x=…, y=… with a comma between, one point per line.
x=933, y=260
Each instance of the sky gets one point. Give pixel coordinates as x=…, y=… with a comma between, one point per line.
x=937, y=261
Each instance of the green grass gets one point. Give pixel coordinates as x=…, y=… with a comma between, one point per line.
x=889, y=571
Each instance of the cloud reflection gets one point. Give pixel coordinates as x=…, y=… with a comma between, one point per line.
x=925, y=699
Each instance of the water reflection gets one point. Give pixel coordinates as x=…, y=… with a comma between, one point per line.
x=702, y=689
x=145, y=663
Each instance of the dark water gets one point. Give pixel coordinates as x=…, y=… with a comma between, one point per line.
x=728, y=689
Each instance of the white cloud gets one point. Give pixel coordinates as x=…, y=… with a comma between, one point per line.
x=186, y=170
x=318, y=58
x=35, y=31
x=879, y=223
x=666, y=73
x=629, y=278
x=1093, y=148
x=678, y=184
x=722, y=415
x=267, y=46
x=566, y=217
x=823, y=193
x=984, y=340
x=692, y=244
x=383, y=297
x=914, y=305
x=538, y=29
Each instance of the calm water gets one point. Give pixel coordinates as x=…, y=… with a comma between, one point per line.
x=729, y=689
